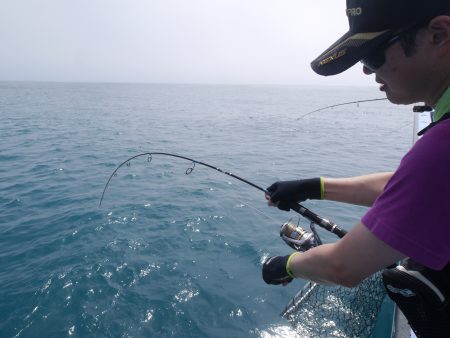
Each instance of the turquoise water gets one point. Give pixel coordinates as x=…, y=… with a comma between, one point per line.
x=167, y=254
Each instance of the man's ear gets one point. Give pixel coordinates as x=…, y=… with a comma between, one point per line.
x=439, y=27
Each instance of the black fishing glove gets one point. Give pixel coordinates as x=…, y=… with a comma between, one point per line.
x=286, y=192
x=275, y=270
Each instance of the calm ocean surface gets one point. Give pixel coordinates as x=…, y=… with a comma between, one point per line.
x=167, y=255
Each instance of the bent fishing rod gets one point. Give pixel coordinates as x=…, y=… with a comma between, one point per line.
x=297, y=207
x=340, y=104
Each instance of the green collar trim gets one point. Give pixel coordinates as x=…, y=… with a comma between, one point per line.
x=443, y=106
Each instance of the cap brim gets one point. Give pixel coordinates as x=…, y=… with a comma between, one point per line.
x=347, y=51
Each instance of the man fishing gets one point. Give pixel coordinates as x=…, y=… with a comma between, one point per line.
x=406, y=44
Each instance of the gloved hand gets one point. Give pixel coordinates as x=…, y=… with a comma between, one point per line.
x=276, y=270
x=283, y=193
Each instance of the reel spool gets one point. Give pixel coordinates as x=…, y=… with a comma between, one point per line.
x=298, y=238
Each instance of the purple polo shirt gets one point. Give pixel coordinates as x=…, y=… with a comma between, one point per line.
x=412, y=215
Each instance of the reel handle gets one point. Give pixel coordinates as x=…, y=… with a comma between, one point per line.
x=322, y=222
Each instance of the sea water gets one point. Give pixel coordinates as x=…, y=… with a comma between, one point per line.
x=167, y=254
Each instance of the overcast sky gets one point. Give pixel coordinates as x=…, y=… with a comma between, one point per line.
x=171, y=41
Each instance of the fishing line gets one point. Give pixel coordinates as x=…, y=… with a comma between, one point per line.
x=258, y=211
x=322, y=222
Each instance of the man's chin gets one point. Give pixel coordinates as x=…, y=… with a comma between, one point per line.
x=395, y=99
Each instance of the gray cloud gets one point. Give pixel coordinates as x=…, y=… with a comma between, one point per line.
x=181, y=41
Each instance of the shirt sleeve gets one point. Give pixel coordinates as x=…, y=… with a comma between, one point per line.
x=412, y=215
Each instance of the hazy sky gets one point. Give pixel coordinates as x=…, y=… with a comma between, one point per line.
x=175, y=41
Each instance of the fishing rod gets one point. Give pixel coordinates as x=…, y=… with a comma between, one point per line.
x=340, y=104
x=300, y=209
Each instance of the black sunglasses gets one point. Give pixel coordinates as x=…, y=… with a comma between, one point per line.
x=378, y=58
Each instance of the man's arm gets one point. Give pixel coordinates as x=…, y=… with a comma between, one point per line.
x=348, y=261
x=360, y=190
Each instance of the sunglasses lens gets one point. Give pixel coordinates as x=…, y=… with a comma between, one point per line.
x=377, y=58
x=374, y=61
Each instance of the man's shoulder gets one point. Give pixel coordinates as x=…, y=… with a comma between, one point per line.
x=435, y=140
x=429, y=158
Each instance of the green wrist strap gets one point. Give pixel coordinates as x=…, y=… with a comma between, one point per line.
x=288, y=264
x=322, y=188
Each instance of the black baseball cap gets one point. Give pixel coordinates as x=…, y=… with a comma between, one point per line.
x=373, y=22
